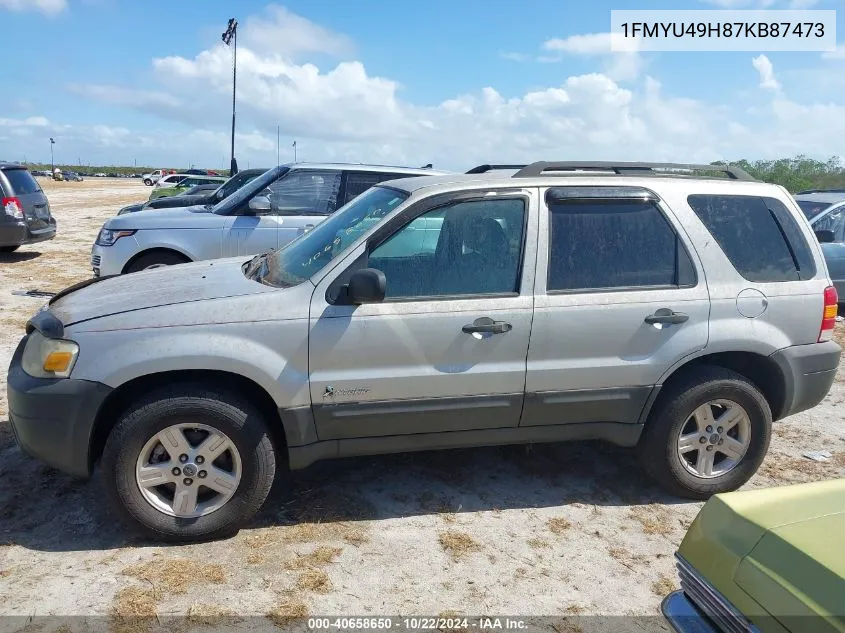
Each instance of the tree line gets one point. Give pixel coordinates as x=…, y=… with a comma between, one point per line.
x=796, y=174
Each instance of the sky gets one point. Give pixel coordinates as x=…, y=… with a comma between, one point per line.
x=455, y=83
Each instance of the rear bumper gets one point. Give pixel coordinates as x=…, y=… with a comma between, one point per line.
x=19, y=234
x=53, y=418
x=809, y=371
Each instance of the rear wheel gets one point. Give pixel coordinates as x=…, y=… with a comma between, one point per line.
x=186, y=464
x=9, y=249
x=156, y=260
x=707, y=434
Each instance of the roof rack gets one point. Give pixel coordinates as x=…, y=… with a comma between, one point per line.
x=543, y=168
x=798, y=193
x=483, y=169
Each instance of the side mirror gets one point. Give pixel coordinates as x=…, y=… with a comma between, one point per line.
x=260, y=205
x=825, y=236
x=367, y=285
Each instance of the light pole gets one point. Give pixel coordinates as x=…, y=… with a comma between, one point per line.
x=52, y=162
x=230, y=38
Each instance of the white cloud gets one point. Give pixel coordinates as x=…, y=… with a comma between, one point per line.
x=839, y=53
x=341, y=112
x=280, y=32
x=47, y=7
x=620, y=55
x=767, y=73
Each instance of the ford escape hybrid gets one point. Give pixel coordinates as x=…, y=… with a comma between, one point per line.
x=647, y=305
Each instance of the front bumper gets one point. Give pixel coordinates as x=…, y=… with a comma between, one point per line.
x=684, y=616
x=53, y=418
x=809, y=371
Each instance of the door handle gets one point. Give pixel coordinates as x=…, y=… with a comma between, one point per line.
x=487, y=325
x=666, y=316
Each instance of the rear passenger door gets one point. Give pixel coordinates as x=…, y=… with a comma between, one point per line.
x=620, y=298
x=303, y=198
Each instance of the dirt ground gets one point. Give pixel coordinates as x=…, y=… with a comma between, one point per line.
x=551, y=530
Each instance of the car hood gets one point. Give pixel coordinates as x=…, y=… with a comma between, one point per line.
x=779, y=546
x=193, y=217
x=185, y=283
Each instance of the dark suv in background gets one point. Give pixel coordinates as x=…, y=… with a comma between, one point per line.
x=24, y=210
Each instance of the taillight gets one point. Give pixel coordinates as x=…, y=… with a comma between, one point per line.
x=13, y=207
x=831, y=301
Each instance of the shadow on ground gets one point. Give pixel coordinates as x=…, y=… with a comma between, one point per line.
x=18, y=256
x=43, y=509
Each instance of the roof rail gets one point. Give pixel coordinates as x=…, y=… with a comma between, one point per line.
x=483, y=169
x=627, y=169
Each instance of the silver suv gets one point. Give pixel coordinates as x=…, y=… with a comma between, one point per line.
x=677, y=314
x=263, y=215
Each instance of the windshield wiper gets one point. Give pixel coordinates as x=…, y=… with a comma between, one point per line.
x=252, y=266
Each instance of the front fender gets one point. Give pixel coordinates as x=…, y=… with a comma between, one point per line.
x=273, y=354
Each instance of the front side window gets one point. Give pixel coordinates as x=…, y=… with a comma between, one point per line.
x=467, y=248
x=811, y=208
x=606, y=244
x=305, y=192
x=758, y=235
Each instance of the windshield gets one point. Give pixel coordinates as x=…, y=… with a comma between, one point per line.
x=812, y=208
x=242, y=195
x=234, y=183
x=308, y=254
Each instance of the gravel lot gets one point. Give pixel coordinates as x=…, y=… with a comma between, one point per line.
x=550, y=530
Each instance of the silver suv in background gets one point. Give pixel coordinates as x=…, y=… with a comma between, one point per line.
x=826, y=211
x=25, y=216
x=264, y=214
x=677, y=315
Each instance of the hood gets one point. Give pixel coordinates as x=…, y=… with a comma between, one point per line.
x=193, y=217
x=211, y=279
x=779, y=546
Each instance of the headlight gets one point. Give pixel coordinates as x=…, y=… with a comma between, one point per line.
x=48, y=357
x=107, y=237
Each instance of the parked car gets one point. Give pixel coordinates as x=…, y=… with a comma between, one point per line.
x=826, y=212
x=72, y=176
x=153, y=177
x=100, y=175
x=764, y=560
x=169, y=180
x=198, y=172
x=621, y=302
x=25, y=216
x=197, y=190
x=273, y=209
x=182, y=185
x=187, y=198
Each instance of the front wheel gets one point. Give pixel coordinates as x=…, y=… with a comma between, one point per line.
x=187, y=463
x=708, y=433
x=148, y=182
x=148, y=261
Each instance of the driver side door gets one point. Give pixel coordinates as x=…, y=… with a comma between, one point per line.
x=418, y=362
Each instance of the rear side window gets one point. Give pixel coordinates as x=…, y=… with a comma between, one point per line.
x=305, y=192
x=614, y=244
x=759, y=236
x=358, y=182
x=21, y=181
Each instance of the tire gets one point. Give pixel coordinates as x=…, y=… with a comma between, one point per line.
x=189, y=404
x=9, y=249
x=156, y=260
x=148, y=182
x=659, y=449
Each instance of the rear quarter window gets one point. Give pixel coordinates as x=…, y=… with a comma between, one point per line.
x=21, y=182
x=758, y=235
